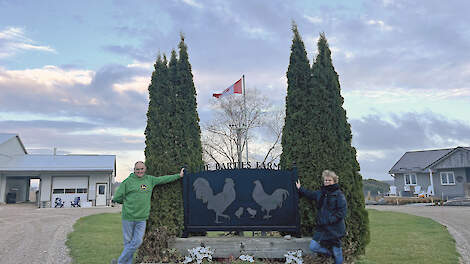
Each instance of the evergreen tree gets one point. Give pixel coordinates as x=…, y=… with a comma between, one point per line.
x=191, y=147
x=172, y=141
x=164, y=156
x=296, y=135
x=332, y=145
x=298, y=77
x=159, y=116
x=317, y=136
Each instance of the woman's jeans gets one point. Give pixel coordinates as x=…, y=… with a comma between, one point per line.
x=336, y=252
x=133, y=234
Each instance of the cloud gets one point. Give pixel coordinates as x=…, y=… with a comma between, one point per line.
x=381, y=24
x=67, y=136
x=193, y=3
x=112, y=96
x=313, y=19
x=13, y=40
x=381, y=140
x=409, y=131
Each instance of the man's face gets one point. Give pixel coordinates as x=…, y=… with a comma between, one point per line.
x=139, y=169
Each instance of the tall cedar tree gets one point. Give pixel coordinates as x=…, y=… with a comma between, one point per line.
x=191, y=148
x=296, y=135
x=325, y=137
x=333, y=149
x=172, y=138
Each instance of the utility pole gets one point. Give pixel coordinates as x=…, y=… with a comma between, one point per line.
x=239, y=146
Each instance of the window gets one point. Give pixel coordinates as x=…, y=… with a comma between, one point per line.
x=58, y=191
x=82, y=190
x=410, y=179
x=447, y=178
x=69, y=190
x=101, y=189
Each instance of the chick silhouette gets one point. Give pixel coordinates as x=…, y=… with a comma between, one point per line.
x=239, y=212
x=252, y=212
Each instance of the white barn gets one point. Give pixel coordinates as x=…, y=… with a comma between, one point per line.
x=89, y=177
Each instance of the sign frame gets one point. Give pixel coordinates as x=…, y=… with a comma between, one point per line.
x=238, y=184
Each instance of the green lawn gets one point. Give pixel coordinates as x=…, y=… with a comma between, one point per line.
x=96, y=239
x=403, y=238
x=395, y=238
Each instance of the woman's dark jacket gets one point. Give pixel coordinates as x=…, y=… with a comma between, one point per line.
x=332, y=210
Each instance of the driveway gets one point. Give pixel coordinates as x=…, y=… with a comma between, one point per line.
x=455, y=218
x=32, y=235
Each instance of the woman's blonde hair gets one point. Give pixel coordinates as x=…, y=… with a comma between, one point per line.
x=330, y=174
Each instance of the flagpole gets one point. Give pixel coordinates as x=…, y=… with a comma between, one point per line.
x=246, y=123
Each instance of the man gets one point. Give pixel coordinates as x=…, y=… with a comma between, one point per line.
x=134, y=194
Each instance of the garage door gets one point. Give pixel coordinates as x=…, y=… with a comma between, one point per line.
x=66, y=189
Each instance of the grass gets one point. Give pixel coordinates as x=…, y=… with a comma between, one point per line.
x=395, y=238
x=403, y=238
x=96, y=239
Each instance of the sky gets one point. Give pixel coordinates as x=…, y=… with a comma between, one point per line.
x=74, y=74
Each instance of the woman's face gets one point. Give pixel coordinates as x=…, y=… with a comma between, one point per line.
x=328, y=181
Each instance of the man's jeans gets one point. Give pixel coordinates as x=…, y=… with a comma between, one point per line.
x=133, y=233
x=337, y=252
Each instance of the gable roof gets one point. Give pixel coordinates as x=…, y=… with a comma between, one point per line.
x=418, y=161
x=447, y=155
x=4, y=137
x=59, y=163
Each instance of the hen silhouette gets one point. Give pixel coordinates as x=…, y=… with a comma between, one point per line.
x=218, y=202
x=268, y=202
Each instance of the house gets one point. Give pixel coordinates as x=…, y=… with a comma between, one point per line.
x=66, y=177
x=443, y=172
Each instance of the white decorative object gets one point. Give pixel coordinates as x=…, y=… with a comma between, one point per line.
x=246, y=258
x=294, y=257
x=198, y=254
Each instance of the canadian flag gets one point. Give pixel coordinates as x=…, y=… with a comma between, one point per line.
x=235, y=88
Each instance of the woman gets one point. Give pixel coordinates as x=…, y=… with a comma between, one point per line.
x=330, y=227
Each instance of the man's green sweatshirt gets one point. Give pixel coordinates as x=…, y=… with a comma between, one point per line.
x=134, y=194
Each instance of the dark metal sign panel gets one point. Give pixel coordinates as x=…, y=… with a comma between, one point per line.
x=241, y=199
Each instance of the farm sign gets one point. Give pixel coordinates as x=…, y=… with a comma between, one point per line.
x=241, y=200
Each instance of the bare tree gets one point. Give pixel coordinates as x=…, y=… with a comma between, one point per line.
x=227, y=129
x=274, y=123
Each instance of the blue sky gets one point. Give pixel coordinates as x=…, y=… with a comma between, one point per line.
x=74, y=74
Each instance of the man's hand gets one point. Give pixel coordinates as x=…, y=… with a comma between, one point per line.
x=182, y=173
x=297, y=184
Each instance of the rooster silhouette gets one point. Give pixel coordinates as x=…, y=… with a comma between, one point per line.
x=266, y=201
x=218, y=202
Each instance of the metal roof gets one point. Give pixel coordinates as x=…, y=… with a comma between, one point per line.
x=417, y=161
x=59, y=163
x=5, y=137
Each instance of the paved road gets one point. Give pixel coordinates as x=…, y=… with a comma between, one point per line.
x=32, y=235
x=455, y=218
